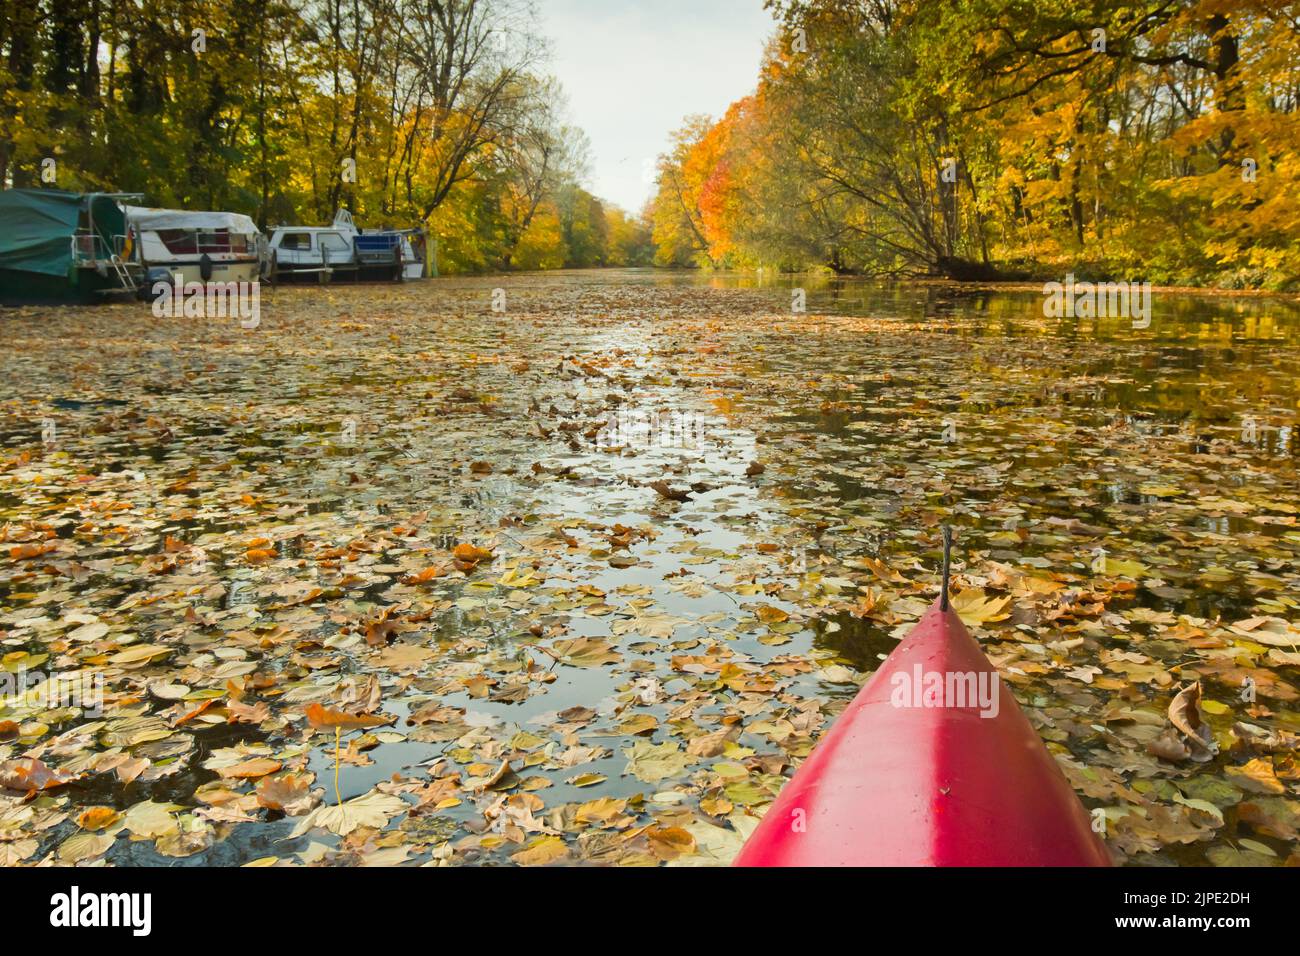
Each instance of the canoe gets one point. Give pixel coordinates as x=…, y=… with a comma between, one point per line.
x=919, y=771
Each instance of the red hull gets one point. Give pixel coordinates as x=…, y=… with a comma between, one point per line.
x=894, y=784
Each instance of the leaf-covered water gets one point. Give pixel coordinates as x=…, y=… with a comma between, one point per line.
x=583, y=581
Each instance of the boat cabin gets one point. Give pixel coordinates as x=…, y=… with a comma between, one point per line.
x=199, y=246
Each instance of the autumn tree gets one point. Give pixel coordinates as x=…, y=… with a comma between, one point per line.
x=984, y=138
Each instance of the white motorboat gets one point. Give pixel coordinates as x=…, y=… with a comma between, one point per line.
x=199, y=246
x=342, y=248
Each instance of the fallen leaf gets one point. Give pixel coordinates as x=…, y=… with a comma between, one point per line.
x=289, y=794
x=373, y=809
x=655, y=762
x=975, y=609
x=585, y=652
x=97, y=818
x=251, y=769
x=542, y=851
x=28, y=774
x=321, y=718
x=1185, y=715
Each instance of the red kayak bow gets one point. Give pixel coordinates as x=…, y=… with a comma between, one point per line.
x=932, y=764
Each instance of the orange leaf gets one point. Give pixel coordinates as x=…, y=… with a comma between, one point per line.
x=668, y=843
x=34, y=550
x=471, y=554
x=251, y=769
x=428, y=574
x=96, y=818
x=195, y=712
x=319, y=717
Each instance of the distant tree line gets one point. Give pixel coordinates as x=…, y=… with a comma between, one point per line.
x=407, y=112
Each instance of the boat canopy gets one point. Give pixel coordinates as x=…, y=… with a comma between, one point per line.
x=37, y=227
x=154, y=220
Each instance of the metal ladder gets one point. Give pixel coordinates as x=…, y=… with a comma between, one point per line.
x=123, y=275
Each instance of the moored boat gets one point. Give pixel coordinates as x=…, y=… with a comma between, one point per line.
x=929, y=771
x=342, y=250
x=58, y=246
x=316, y=252
x=199, y=246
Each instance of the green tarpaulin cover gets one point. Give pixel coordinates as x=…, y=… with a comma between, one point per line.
x=36, y=226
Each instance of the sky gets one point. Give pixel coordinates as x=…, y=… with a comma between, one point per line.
x=634, y=69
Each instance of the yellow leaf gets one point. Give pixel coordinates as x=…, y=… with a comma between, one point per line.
x=549, y=849
x=974, y=608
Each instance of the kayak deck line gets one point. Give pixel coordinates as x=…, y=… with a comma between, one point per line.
x=947, y=566
x=935, y=777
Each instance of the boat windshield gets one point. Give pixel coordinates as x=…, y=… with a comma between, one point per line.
x=296, y=240
x=194, y=242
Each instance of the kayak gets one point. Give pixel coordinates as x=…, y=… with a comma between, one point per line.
x=932, y=764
